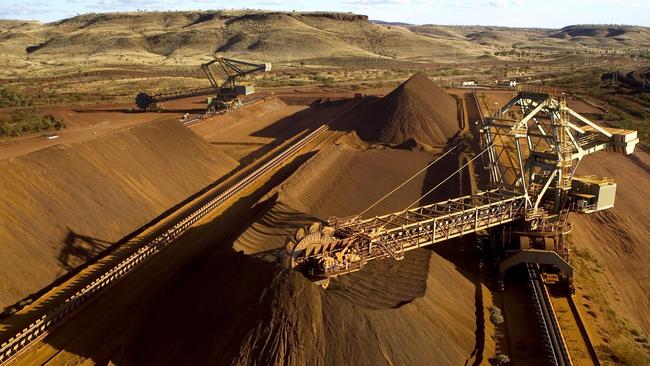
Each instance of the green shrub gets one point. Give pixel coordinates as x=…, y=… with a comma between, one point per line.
x=503, y=359
x=495, y=316
x=29, y=120
x=11, y=98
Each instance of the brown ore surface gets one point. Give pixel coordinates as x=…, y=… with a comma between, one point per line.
x=63, y=205
x=242, y=306
x=418, y=109
x=246, y=308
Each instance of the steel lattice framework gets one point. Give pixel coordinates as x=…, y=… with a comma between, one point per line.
x=224, y=92
x=394, y=234
x=538, y=148
x=533, y=146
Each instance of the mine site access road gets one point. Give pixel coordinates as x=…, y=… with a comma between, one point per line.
x=89, y=283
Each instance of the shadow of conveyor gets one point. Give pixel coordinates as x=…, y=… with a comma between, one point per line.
x=462, y=252
x=79, y=249
x=312, y=117
x=289, y=126
x=192, y=304
x=107, y=110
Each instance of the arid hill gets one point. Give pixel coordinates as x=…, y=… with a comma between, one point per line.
x=272, y=36
x=587, y=37
x=170, y=38
x=618, y=33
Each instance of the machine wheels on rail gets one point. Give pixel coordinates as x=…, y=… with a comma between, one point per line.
x=217, y=106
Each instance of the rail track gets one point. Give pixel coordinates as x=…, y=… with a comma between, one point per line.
x=203, y=117
x=558, y=350
x=20, y=340
x=553, y=340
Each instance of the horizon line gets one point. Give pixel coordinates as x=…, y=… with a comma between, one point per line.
x=388, y=22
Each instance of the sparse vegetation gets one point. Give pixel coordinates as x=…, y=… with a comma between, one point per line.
x=625, y=108
x=495, y=315
x=501, y=359
x=11, y=98
x=627, y=353
x=625, y=344
x=21, y=116
x=27, y=120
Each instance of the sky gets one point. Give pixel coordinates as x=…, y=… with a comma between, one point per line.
x=516, y=13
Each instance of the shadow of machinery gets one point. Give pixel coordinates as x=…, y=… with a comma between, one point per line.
x=286, y=128
x=462, y=252
x=205, y=304
x=78, y=252
x=80, y=249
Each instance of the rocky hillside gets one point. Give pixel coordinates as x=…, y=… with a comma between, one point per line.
x=309, y=38
x=587, y=38
x=272, y=36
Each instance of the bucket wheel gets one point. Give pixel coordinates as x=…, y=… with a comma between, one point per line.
x=309, y=249
x=236, y=104
x=144, y=101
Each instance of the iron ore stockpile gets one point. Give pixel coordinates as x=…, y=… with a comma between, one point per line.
x=63, y=205
x=417, y=109
x=247, y=308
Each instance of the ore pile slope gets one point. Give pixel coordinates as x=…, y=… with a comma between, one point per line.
x=63, y=205
x=418, y=109
x=618, y=237
x=248, y=309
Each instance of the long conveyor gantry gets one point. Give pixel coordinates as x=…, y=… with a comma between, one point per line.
x=533, y=146
x=349, y=243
